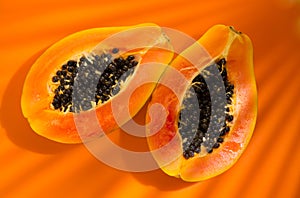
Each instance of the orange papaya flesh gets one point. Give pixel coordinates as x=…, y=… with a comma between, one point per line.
x=60, y=119
x=186, y=145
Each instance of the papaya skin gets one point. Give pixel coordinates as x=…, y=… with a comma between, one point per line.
x=220, y=41
x=60, y=126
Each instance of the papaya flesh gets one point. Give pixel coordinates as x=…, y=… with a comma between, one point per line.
x=130, y=45
x=211, y=150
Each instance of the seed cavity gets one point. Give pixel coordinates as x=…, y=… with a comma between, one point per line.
x=206, y=114
x=91, y=80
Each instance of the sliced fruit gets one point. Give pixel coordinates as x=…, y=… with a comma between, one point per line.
x=78, y=77
x=209, y=101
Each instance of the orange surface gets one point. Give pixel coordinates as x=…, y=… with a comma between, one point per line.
x=32, y=166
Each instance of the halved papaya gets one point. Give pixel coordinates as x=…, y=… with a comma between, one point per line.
x=80, y=77
x=202, y=114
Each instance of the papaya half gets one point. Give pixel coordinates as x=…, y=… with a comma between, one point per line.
x=200, y=126
x=81, y=76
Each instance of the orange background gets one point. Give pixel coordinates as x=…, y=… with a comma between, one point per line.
x=32, y=166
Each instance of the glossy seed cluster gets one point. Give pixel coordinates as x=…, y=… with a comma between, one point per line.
x=205, y=117
x=82, y=84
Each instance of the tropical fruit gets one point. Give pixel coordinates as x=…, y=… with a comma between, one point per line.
x=202, y=113
x=80, y=76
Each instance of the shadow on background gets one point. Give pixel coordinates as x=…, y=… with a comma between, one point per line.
x=11, y=117
x=161, y=181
